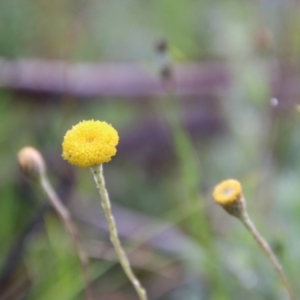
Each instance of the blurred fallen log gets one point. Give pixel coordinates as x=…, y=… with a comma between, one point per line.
x=134, y=80
x=122, y=79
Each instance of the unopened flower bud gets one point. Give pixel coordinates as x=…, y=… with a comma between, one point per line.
x=31, y=162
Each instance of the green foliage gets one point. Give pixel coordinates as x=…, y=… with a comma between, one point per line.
x=168, y=183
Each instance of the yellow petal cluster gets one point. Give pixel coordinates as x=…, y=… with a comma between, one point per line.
x=227, y=192
x=90, y=143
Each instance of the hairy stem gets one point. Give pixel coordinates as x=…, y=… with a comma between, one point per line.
x=97, y=172
x=244, y=217
x=65, y=216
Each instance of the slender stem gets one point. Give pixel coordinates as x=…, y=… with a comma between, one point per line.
x=97, y=172
x=65, y=216
x=244, y=217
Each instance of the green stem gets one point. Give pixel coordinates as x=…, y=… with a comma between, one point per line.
x=65, y=216
x=97, y=172
x=244, y=217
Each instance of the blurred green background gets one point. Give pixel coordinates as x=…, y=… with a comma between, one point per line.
x=173, y=149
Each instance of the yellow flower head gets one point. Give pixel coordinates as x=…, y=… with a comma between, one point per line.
x=90, y=143
x=228, y=194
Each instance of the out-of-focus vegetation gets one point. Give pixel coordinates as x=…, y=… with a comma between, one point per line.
x=172, y=152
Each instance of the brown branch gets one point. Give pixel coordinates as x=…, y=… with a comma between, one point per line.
x=137, y=80
x=122, y=79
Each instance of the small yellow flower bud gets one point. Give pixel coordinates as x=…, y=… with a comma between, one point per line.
x=229, y=195
x=31, y=162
